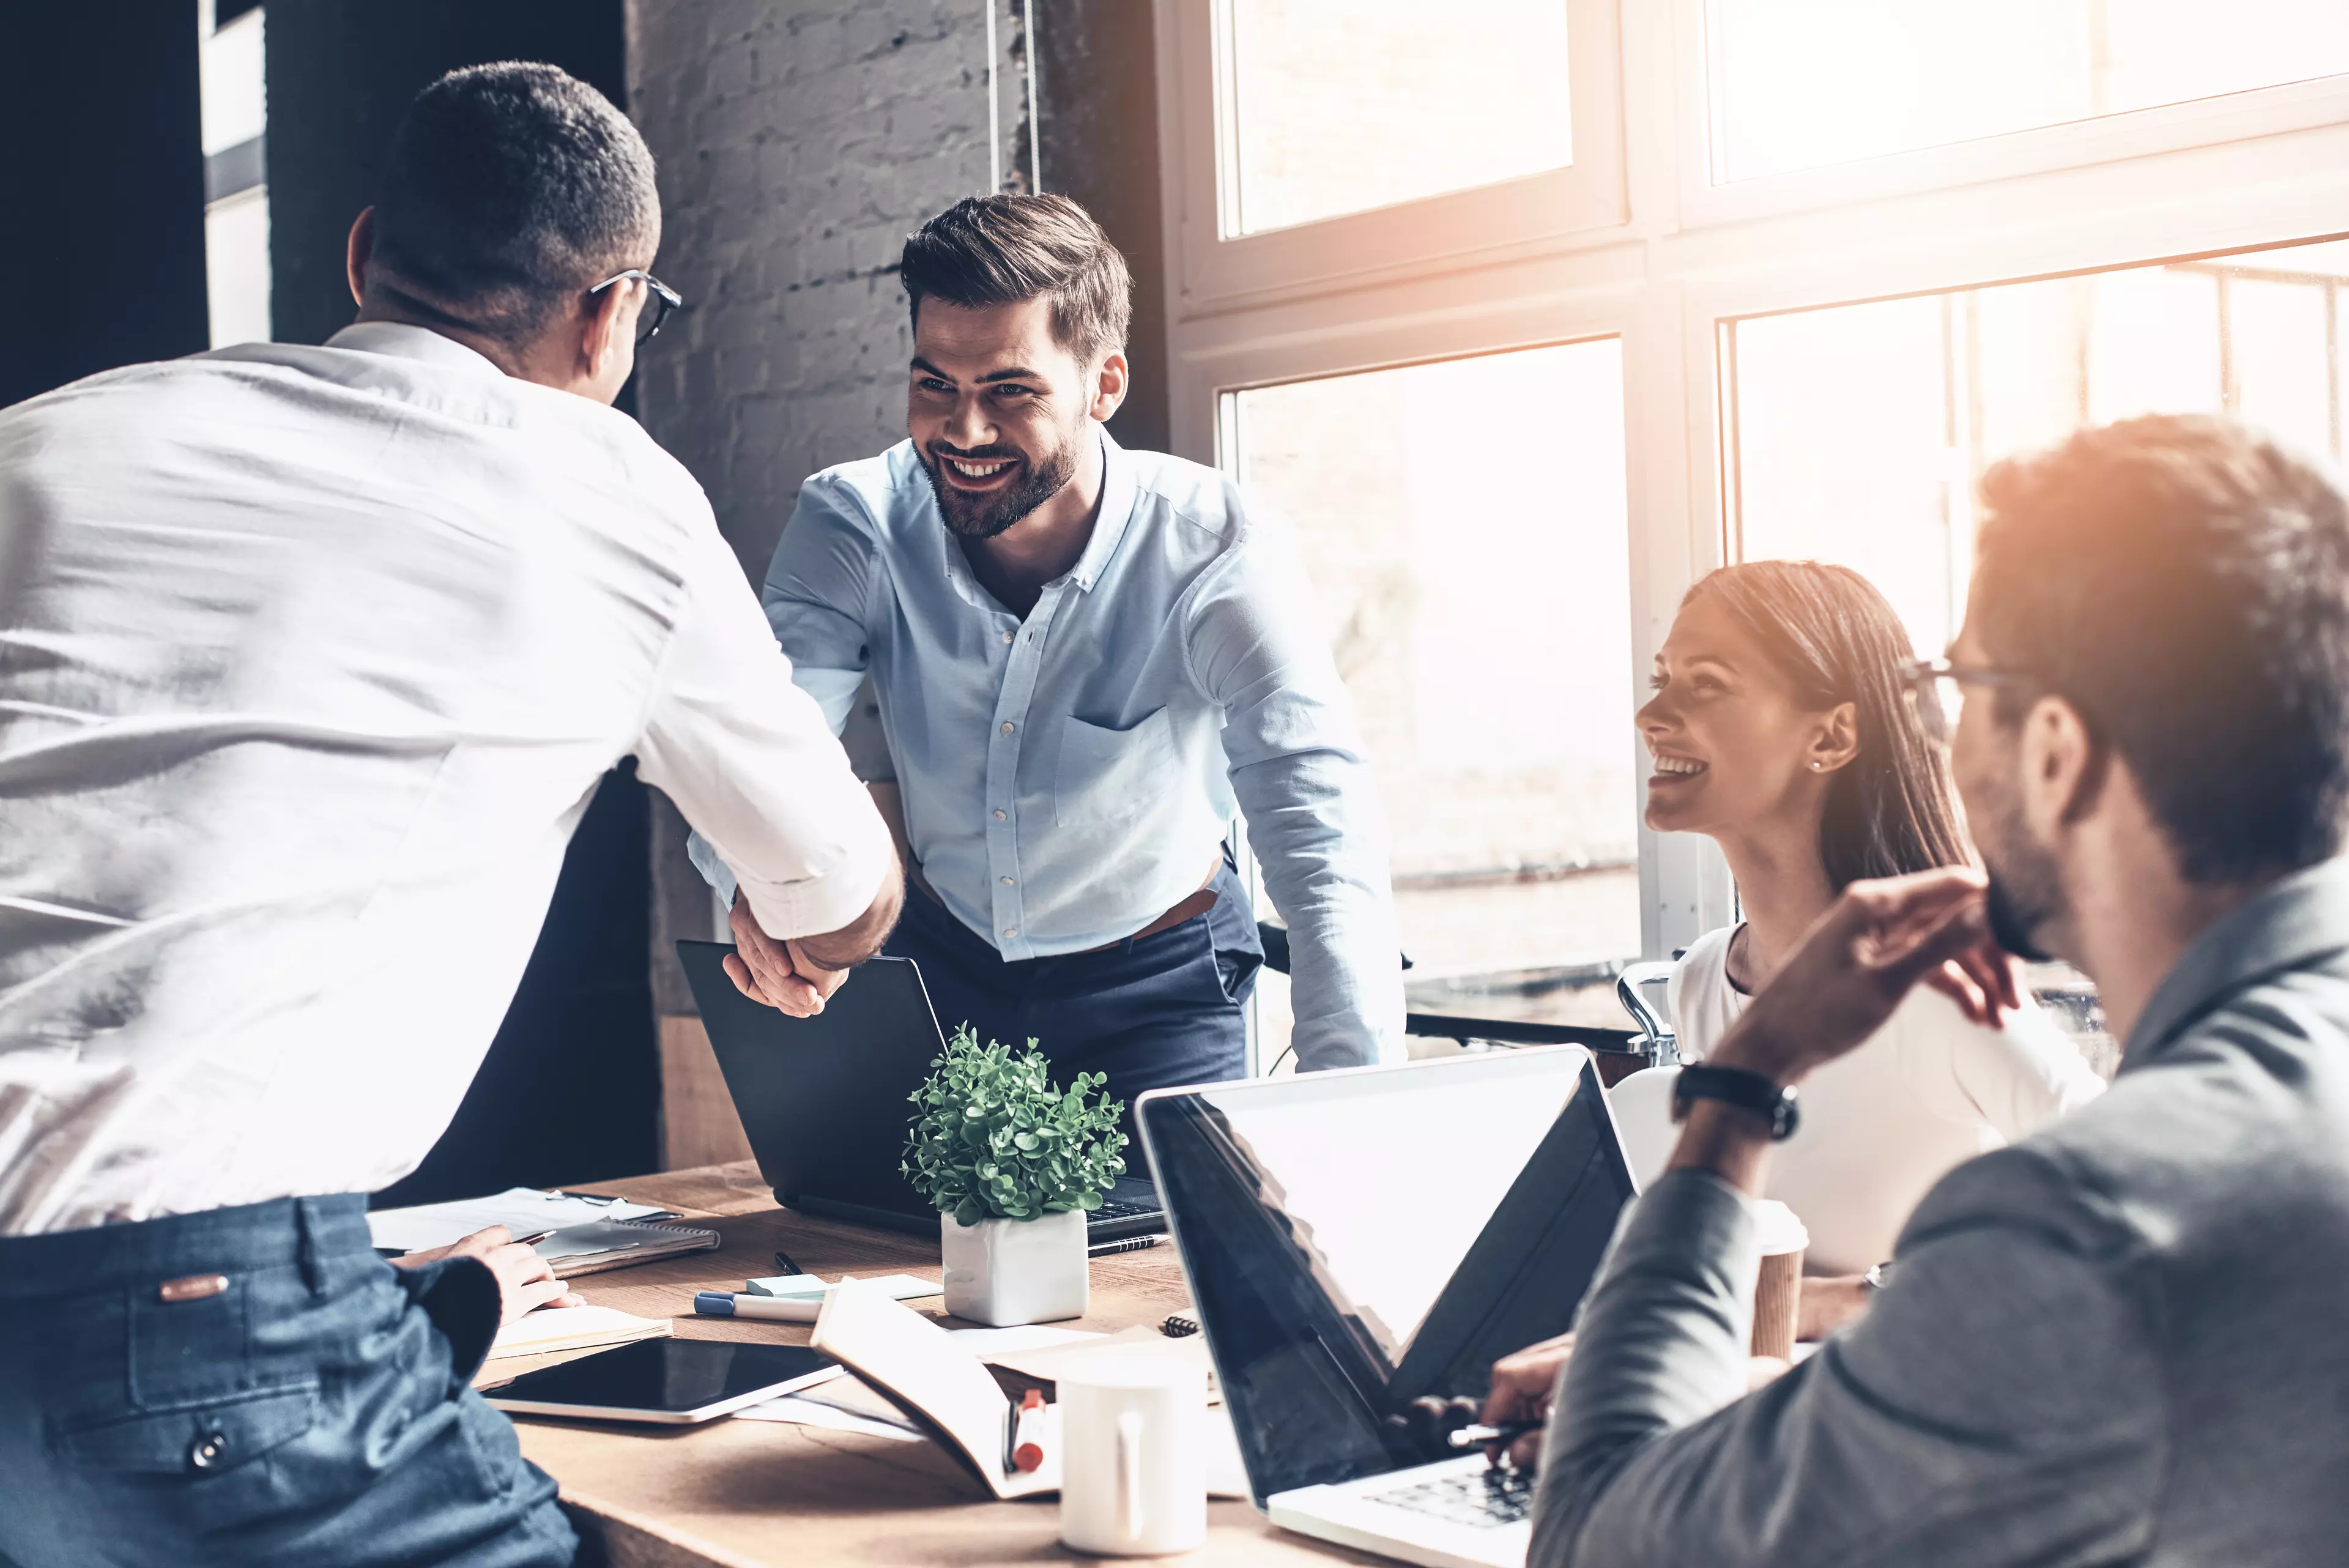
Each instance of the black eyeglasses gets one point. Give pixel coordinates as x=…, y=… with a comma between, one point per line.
x=659, y=300
x=1935, y=689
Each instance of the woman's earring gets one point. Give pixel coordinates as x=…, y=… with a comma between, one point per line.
x=1815, y=767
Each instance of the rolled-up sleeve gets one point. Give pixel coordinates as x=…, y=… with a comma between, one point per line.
x=2000, y=1402
x=818, y=589
x=1303, y=779
x=751, y=762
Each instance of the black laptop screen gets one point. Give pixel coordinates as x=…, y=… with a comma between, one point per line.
x=1357, y=1241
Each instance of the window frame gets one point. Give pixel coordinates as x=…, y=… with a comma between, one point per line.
x=1678, y=258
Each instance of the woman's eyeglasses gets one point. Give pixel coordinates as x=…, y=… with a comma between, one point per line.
x=1936, y=690
x=659, y=300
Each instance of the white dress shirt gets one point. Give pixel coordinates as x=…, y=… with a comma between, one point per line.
x=1881, y=1125
x=1067, y=775
x=310, y=659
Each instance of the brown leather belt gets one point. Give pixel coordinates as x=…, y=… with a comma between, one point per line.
x=1190, y=906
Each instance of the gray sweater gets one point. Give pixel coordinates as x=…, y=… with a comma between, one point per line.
x=2125, y=1339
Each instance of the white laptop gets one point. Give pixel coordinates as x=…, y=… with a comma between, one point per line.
x=1356, y=1241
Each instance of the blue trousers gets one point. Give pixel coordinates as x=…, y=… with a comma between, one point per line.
x=1150, y=1012
x=317, y=1411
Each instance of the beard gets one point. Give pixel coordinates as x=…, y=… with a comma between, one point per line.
x=985, y=516
x=2025, y=894
x=2016, y=919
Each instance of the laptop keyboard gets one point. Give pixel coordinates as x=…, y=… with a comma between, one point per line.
x=1485, y=1498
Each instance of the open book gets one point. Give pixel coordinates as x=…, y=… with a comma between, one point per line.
x=943, y=1386
x=552, y=1329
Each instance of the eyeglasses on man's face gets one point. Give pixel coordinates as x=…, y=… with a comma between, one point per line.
x=1936, y=691
x=659, y=300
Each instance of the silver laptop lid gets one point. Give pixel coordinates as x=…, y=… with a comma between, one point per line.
x=1356, y=1239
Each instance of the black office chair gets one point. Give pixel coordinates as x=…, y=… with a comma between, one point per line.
x=1652, y=1043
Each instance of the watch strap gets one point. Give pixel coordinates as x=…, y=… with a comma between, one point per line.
x=1736, y=1086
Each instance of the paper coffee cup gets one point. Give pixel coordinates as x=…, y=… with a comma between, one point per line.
x=1778, y=1293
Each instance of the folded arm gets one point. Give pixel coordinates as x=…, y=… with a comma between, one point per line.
x=1314, y=818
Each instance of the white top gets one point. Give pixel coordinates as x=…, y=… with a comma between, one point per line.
x=310, y=659
x=1881, y=1125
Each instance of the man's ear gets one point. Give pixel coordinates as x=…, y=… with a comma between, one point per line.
x=1837, y=742
x=2063, y=766
x=1109, y=386
x=608, y=325
x=359, y=253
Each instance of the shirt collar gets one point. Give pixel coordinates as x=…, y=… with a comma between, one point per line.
x=2295, y=924
x=405, y=342
x=1116, y=511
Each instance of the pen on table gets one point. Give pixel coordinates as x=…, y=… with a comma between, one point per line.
x=1491, y=1437
x=783, y=1262
x=775, y=1308
x=1028, y=1432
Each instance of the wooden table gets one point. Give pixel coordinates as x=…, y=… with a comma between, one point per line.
x=740, y=1493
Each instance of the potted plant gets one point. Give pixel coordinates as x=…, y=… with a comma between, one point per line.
x=1014, y=1165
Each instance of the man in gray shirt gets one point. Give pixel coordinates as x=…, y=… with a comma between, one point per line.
x=2118, y=1341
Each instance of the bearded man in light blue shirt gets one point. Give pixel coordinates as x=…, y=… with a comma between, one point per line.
x=1086, y=659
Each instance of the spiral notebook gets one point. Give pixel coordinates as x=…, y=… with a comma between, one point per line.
x=591, y=1234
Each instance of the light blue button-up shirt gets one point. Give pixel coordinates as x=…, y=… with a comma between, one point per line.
x=1067, y=777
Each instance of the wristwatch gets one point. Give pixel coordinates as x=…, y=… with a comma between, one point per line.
x=1736, y=1086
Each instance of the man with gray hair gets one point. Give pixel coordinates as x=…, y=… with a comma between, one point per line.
x=310, y=660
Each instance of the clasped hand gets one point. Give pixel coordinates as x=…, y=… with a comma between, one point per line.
x=778, y=973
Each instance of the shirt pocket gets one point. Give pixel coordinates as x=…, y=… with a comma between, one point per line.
x=1108, y=775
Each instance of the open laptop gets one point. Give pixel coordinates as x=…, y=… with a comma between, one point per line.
x=826, y=1100
x=1356, y=1239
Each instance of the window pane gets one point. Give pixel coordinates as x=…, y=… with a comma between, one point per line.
x=1340, y=107
x=1799, y=83
x=1481, y=618
x=1861, y=430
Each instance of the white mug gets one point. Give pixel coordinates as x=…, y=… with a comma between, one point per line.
x=1133, y=1479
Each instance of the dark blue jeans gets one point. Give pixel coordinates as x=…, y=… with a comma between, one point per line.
x=1150, y=1012
x=316, y=1411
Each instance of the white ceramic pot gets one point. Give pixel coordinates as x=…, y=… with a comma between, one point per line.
x=1008, y=1272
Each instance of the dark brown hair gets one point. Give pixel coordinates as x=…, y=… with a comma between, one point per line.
x=1892, y=810
x=2184, y=582
x=1001, y=250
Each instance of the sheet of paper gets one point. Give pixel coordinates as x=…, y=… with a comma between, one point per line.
x=800, y=1412
x=520, y=1209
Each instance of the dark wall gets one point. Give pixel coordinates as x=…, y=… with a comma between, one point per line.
x=340, y=74
x=102, y=183
x=1098, y=116
x=570, y=1090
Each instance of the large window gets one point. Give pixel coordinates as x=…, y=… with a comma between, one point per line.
x=1481, y=625
x=1832, y=257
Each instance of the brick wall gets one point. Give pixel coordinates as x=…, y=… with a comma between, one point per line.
x=798, y=145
